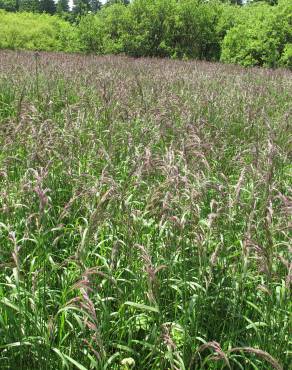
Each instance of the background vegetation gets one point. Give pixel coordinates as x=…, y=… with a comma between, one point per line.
x=37, y=32
x=145, y=208
x=256, y=34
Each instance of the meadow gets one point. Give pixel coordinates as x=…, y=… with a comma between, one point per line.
x=145, y=214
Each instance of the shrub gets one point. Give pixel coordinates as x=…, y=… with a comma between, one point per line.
x=257, y=34
x=259, y=37
x=286, y=59
x=36, y=32
x=158, y=28
x=103, y=33
x=151, y=25
x=194, y=35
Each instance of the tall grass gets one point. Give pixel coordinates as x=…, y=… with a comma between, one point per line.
x=144, y=214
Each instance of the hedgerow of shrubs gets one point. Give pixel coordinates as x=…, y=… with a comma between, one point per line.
x=256, y=34
x=156, y=28
x=253, y=35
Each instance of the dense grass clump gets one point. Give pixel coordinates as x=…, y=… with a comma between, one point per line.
x=144, y=214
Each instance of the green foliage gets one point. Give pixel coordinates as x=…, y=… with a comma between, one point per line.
x=95, y=5
x=29, y=5
x=256, y=34
x=249, y=35
x=270, y=2
x=149, y=22
x=104, y=32
x=36, y=32
x=286, y=58
x=230, y=16
x=260, y=36
x=81, y=7
x=9, y=5
x=62, y=6
x=112, y=2
x=236, y=2
x=90, y=34
x=159, y=28
x=47, y=6
x=194, y=33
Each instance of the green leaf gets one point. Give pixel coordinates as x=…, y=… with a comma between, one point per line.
x=6, y=302
x=15, y=344
x=74, y=362
x=142, y=307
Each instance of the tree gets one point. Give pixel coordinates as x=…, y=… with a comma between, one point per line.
x=29, y=6
x=270, y=2
x=236, y=2
x=111, y=2
x=9, y=5
x=81, y=7
x=62, y=6
x=48, y=6
x=95, y=5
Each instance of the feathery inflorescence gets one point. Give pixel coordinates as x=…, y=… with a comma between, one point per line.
x=145, y=214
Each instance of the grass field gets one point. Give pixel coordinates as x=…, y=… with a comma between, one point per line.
x=145, y=208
